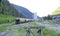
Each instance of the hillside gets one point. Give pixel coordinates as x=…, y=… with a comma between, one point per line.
x=57, y=11
x=8, y=13
x=6, y=18
x=25, y=11
x=7, y=9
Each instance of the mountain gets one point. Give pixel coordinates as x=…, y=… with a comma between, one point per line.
x=7, y=9
x=25, y=11
x=57, y=11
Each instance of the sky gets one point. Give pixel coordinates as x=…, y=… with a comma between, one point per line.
x=41, y=7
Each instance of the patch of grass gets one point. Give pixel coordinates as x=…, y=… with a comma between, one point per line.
x=2, y=29
x=22, y=31
x=48, y=32
x=6, y=18
x=5, y=26
x=33, y=24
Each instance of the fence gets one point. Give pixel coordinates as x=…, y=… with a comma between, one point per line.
x=28, y=30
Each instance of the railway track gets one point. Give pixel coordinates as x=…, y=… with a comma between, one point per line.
x=12, y=24
x=18, y=21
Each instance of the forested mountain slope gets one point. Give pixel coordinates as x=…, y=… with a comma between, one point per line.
x=8, y=13
x=7, y=9
x=25, y=11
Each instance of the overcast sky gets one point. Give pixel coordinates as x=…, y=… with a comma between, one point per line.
x=42, y=7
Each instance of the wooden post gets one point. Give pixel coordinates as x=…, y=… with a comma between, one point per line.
x=27, y=32
x=41, y=32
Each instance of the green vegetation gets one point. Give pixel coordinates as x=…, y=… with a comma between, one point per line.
x=8, y=12
x=8, y=9
x=19, y=30
x=48, y=32
x=2, y=29
x=49, y=17
x=6, y=18
x=5, y=26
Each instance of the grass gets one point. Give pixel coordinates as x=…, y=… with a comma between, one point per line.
x=19, y=30
x=2, y=29
x=5, y=26
x=48, y=32
x=6, y=18
x=22, y=30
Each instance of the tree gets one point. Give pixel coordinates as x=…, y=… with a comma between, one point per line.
x=49, y=17
x=45, y=18
x=0, y=1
